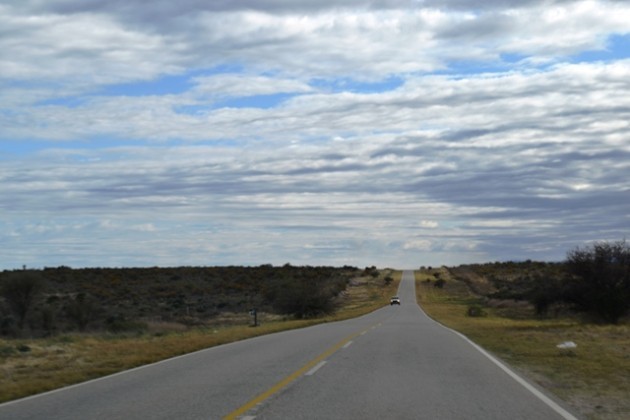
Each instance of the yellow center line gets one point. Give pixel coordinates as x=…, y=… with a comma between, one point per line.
x=292, y=377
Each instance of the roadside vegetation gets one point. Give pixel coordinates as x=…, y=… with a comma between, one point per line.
x=45, y=303
x=522, y=312
x=63, y=326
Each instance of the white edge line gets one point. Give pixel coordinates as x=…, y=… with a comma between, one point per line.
x=345, y=346
x=315, y=368
x=552, y=404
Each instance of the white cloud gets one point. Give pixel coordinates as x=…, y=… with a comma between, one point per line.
x=429, y=224
x=586, y=100
x=418, y=244
x=98, y=45
x=91, y=49
x=369, y=156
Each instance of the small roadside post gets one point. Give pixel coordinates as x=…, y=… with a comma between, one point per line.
x=254, y=314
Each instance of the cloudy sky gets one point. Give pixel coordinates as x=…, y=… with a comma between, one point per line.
x=393, y=133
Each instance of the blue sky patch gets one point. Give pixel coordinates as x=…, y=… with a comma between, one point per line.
x=512, y=58
x=470, y=67
x=256, y=101
x=350, y=85
x=68, y=102
x=166, y=85
x=617, y=48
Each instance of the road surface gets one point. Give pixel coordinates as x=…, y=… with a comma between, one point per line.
x=395, y=363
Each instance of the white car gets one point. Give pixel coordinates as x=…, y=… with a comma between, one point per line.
x=394, y=301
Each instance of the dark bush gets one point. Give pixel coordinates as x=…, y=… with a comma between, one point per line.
x=304, y=293
x=439, y=283
x=544, y=292
x=20, y=290
x=475, y=311
x=120, y=324
x=23, y=348
x=599, y=280
x=6, y=351
x=48, y=318
x=82, y=310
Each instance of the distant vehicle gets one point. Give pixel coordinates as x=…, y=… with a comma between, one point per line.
x=394, y=301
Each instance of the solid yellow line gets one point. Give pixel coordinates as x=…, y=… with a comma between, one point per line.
x=286, y=381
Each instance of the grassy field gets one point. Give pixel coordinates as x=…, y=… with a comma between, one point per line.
x=32, y=366
x=594, y=378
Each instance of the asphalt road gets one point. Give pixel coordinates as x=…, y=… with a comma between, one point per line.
x=395, y=363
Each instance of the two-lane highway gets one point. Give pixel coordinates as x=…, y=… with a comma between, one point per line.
x=393, y=363
x=409, y=367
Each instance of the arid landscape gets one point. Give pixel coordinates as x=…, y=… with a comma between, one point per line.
x=84, y=323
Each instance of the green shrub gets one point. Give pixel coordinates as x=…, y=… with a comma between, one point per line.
x=120, y=324
x=23, y=348
x=475, y=311
x=6, y=351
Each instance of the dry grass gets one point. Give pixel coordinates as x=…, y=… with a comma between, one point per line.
x=594, y=378
x=29, y=367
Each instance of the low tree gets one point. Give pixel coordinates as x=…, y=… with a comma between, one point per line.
x=544, y=291
x=599, y=279
x=20, y=290
x=303, y=293
x=82, y=310
x=48, y=319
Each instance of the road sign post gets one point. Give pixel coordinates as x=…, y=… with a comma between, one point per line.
x=254, y=314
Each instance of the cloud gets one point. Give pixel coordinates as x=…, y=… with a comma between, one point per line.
x=92, y=49
x=485, y=110
x=418, y=244
x=390, y=132
x=429, y=224
x=96, y=43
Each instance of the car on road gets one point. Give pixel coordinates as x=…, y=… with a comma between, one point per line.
x=394, y=300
